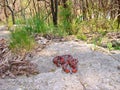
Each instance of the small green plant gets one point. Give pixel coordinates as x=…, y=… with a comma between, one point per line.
x=39, y=24
x=117, y=48
x=36, y=24
x=109, y=46
x=81, y=36
x=21, y=40
x=20, y=20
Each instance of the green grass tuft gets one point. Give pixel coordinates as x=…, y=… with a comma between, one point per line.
x=21, y=40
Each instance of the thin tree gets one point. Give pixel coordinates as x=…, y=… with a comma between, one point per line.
x=118, y=14
x=11, y=9
x=54, y=10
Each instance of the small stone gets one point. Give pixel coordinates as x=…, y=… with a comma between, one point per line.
x=118, y=67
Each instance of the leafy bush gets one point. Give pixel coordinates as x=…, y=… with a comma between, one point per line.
x=21, y=40
x=65, y=18
x=36, y=24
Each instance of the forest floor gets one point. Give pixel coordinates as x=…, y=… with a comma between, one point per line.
x=98, y=69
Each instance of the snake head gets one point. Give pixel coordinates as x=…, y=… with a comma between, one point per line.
x=56, y=61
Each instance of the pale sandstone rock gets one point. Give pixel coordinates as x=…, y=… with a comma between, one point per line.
x=96, y=70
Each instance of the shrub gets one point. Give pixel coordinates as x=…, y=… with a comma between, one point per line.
x=21, y=40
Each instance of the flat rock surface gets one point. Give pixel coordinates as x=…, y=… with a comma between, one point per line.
x=96, y=70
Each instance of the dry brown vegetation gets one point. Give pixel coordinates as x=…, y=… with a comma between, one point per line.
x=13, y=65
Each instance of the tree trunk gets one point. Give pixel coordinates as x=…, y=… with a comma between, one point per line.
x=12, y=14
x=118, y=13
x=11, y=10
x=64, y=3
x=54, y=10
x=5, y=12
x=84, y=10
